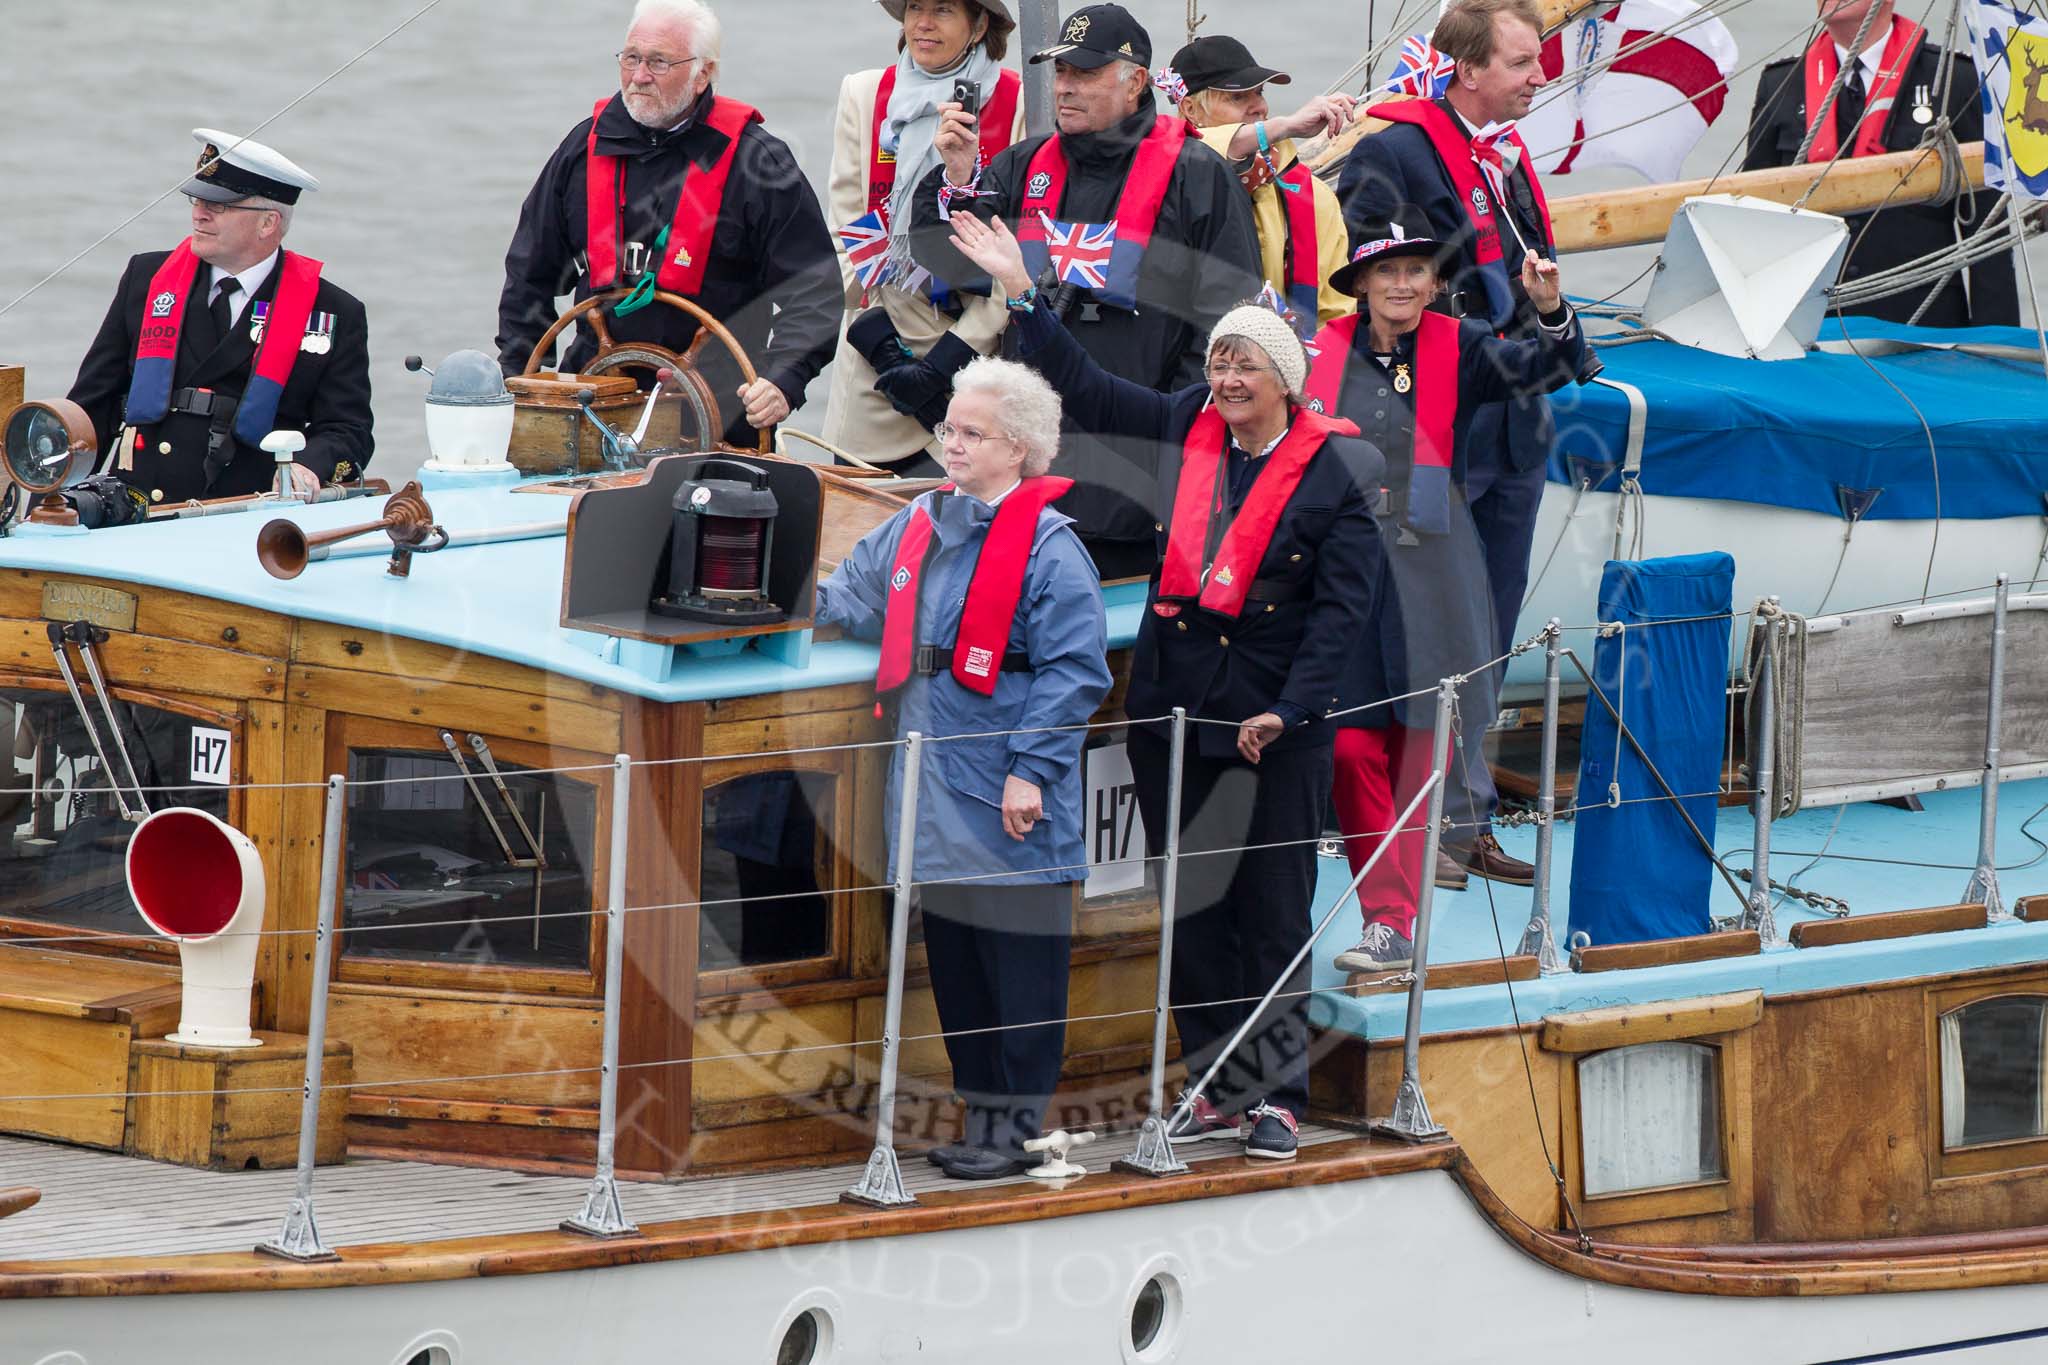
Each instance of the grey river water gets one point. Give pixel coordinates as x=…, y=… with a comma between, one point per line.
x=426, y=145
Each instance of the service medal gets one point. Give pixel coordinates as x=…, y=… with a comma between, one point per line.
x=1403, y=380
x=259, y=314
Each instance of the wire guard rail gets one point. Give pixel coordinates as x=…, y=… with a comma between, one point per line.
x=881, y=1184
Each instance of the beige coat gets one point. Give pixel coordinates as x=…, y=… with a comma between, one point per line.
x=859, y=419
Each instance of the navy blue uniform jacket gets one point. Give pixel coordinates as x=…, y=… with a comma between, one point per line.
x=327, y=397
x=1287, y=656
x=1777, y=125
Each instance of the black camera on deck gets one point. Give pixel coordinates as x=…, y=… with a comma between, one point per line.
x=104, y=501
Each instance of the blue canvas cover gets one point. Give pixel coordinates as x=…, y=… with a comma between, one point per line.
x=1828, y=433
x=1637, y=871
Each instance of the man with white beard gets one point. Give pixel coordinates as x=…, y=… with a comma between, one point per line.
x=671, y=185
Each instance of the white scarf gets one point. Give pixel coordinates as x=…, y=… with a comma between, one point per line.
x=911, y=124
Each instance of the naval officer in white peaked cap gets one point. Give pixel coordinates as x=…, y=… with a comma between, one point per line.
x=211, y=346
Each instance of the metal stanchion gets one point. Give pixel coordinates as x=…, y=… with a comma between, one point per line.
x=1539, y=939
x=881, y=1184
x=603, y=1215
x=1410, y=1120
x=1983, y=887
x=1757, y=914
x=299, y=1238
x=1154, y=1154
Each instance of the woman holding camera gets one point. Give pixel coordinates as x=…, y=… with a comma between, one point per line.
x=907, y=336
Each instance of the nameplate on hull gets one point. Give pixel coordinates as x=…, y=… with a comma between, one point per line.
x=108, y=608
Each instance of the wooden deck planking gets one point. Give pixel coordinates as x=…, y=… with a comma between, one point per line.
x=104, y=1204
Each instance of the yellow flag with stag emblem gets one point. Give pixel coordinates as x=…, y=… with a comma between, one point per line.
x=2011, y=53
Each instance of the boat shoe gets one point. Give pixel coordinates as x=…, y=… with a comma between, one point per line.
x=1484, y=857
x=984, y=1163
x=1275, y=1133
x=1200, y=1122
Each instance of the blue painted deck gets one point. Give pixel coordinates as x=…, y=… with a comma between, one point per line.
x=1944, y=833
x=503, y=601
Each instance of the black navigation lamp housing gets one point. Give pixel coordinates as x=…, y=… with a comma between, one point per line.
x=720, y=545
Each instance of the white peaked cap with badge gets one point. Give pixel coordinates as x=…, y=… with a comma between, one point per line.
x=232, y=168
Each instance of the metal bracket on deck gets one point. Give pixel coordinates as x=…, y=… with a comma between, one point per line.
x=299, y=1239
x=1410, y=1121
x=603, y=1214
x=1154, y=1154
x=881, y=1185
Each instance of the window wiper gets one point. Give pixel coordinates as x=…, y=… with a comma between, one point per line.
x=535, y=859
x=84, y=635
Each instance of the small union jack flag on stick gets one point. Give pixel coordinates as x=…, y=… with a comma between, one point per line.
x=1080, y=251
x=865, y=241
x=1421, y=70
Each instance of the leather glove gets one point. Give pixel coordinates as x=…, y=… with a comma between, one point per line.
x=874, y=336
x=921, y=388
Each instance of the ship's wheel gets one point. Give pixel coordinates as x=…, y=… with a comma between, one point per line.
x=699, y=402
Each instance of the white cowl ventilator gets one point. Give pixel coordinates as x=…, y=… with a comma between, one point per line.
x=199, y=882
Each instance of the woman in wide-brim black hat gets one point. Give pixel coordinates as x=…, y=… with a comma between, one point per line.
x=906, y=334
x=1413, y=379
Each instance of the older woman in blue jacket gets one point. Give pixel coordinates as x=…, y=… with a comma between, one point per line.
x=989, y=615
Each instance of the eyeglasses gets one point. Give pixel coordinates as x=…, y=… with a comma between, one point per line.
x=1220, y=371
x=970, y=437
x=656, y=66
x=212, y=207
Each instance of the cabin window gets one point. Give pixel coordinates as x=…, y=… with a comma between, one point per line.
x=1650, y=1117
x=1991, y=1071
x=769, y=859
x=461, y=871
x=64, y=859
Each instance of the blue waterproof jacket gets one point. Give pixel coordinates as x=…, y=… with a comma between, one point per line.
x=1059, y=625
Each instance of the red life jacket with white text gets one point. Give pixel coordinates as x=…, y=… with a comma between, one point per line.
x=1201, y=501
x=993, y=592
x=698, y=203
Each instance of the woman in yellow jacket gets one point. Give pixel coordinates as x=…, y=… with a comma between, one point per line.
x=1302, y=239
x=899, y=331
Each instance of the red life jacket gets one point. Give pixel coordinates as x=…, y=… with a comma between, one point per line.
x=992, y=593
x=1045, y=184
x=697, y=205
x=156, y=349
x=1822, y=64
x=995, y=122
x=1454, y=152
x=1220, y=585
x=1296, y=188
x=1436, y=409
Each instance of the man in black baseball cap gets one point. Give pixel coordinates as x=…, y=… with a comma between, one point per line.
x=1183, y=248
x=1097, y=35
x=1222, y=91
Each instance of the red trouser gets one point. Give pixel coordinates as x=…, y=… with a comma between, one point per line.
x=1377, y=774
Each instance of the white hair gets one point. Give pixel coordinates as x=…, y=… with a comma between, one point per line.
x=706, y=34
x=1027, y=409
x=283, y=212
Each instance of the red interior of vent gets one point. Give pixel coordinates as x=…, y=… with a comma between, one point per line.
x=185, y=874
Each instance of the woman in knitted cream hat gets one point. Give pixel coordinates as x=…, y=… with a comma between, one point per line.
x=1270, y=557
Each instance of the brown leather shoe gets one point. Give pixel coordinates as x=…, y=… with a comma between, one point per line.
x=1450, y=876
x=1484, y=857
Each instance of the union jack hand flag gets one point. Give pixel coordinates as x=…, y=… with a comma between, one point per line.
x=865, y=241
x=1080, y=251
x=1421, y=70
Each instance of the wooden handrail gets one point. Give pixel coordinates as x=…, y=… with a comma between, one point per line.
x=15, y=1198
x=1945, y=919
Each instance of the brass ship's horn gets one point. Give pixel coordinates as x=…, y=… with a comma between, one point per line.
x=284, y=549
